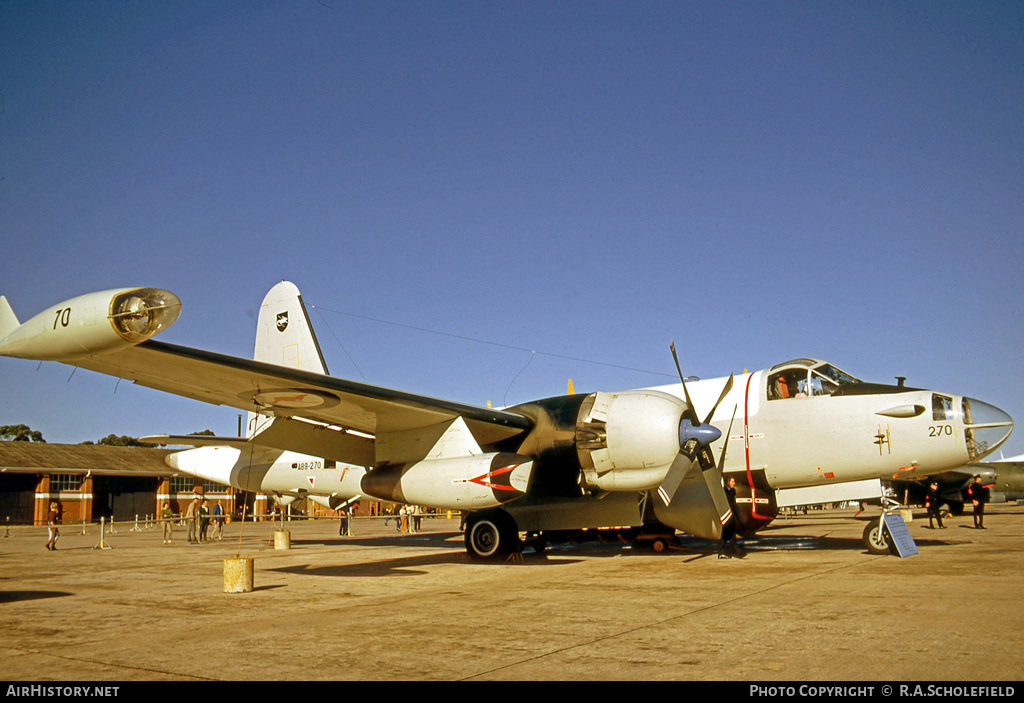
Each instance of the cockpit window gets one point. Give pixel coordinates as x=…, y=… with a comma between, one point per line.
x=841, y=378
x=821, y=385
x=821, y=380
x=790, y=383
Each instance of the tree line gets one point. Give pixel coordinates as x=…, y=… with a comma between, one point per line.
x=23, y=433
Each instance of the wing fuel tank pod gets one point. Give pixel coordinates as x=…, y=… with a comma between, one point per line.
x=468, y=482
x=92, y=324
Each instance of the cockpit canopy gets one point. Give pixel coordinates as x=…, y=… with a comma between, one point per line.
x=801, y=378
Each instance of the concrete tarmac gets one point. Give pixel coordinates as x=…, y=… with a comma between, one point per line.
x=808, y=603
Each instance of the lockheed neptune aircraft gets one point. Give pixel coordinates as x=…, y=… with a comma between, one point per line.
x=800, y=432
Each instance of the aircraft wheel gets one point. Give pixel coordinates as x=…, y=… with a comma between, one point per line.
x=876, y=538
x=491, y=535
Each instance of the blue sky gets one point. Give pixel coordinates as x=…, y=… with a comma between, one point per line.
x=588, y=180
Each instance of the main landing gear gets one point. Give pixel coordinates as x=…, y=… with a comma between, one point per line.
x=491, y=535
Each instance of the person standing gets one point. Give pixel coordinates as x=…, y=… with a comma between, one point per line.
x=729, y=528
x=204, y=521
x=166, y=516
x=191, y=515
x=932, y=501
x=218, y=522
x=979, y=495
x=52, y=533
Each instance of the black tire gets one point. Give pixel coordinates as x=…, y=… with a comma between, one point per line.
x=876, y=538
x=491, y=535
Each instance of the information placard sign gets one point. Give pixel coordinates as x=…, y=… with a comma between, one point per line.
x=900, y=535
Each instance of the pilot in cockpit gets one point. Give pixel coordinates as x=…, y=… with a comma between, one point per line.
x=785, y=385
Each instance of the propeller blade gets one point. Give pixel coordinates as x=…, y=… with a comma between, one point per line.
x=725, y=447
x=690, y=413
x=725, y=392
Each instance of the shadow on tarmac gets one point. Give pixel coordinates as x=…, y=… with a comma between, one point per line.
x=18, y=596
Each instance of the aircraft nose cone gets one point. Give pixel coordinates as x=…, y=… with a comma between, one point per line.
x=986, y=427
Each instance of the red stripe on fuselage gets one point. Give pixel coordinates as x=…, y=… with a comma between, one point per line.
x=746, y=448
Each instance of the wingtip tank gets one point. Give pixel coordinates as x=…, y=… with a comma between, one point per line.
x=91, y=324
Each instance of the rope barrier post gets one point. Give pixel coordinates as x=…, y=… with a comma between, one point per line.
x=136, y=528
x=102, y=543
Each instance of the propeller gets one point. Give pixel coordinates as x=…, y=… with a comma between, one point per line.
x=695, y=435
x=693, y=496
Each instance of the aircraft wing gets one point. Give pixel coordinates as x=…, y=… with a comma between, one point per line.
x=290, y=393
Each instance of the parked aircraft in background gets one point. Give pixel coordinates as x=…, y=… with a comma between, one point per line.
x=800, y=432
x=1003, y=477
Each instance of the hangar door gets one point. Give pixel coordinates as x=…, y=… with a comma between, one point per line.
x=17, y=498
x=124, y=497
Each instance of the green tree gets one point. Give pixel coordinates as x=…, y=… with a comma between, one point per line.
x=20, y=433
x=112, y=440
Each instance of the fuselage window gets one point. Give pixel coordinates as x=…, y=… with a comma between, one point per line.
x=942, y=407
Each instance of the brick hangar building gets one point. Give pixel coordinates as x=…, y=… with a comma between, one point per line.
x=93, y=481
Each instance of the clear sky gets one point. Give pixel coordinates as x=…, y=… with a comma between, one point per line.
x=587, y=180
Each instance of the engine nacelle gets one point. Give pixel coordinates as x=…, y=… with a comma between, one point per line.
x=628, y=440
x=96, y=323
x=459, y=483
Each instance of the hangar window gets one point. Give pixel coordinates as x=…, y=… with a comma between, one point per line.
x=182, y=484
x=65, y=482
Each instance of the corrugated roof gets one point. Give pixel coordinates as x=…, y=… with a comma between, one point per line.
x=41, y=457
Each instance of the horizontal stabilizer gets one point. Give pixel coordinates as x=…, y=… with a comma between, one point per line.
x=194, y=440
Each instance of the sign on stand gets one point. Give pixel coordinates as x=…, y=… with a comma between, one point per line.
x=900, y=535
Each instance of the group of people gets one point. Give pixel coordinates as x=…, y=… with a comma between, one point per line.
x=977, y=493
x=198, y=518
x=407, y=518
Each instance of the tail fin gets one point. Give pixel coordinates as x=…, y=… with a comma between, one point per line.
x=284, y=336
x=8, y=320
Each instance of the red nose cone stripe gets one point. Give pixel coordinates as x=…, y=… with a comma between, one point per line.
x=484, y=479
